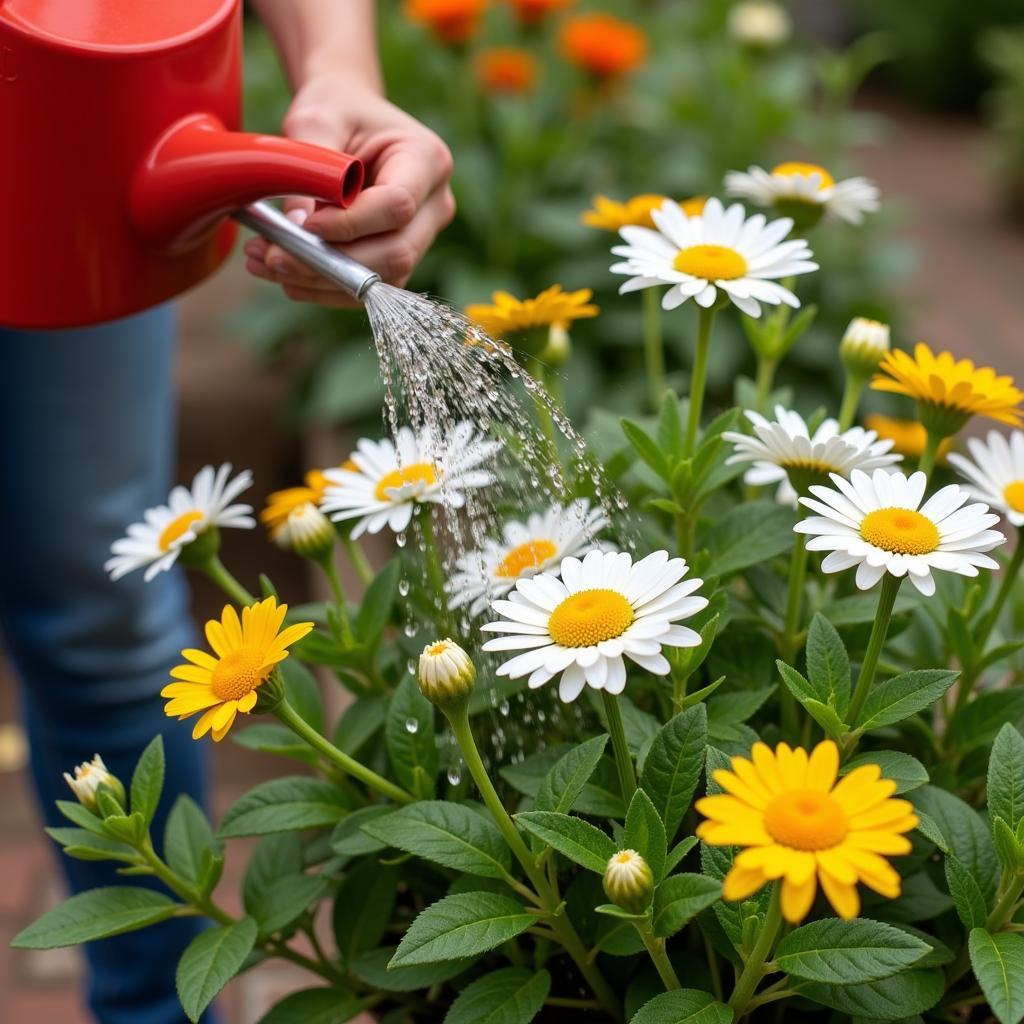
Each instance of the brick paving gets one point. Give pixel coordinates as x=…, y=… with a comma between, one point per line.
x=964, y=296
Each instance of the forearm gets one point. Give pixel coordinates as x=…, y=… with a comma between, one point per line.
x=316, y=37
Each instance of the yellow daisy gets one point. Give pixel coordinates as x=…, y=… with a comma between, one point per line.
x=797, y=824
x=282, y=504
x=908, y=436
x=609, y=215
x=948, y=391
x=225, y=682
x=552, y=308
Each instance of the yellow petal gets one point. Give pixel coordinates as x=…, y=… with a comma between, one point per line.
x=862, y=789
x=181, y=689
x=739, y=884
x=748, y=775
x=248, y=702
x=882, y=814
x=185, y=707
x=191, y=673
x=838, y=866
x=843, y=898
x=722, y=807
x=201, y=658
x=797, y=898
x=221, y=730
x=231, y=626
x=792, y=766
x=823, y=766
x=742, y=834
x=205, y=723
x=216, y=637
x=755, y=795
x=767, y=769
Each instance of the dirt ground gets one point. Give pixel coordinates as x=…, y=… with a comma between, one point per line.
x=966, y=295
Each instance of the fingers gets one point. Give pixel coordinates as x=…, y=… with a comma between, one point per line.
x=378, y=209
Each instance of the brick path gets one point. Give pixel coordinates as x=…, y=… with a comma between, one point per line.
x=966, y=296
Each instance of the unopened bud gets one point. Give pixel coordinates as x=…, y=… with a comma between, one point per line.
x=88, y=778
x=307, y=532
x=759, y=24
x=559, y=347
x=628, y=881
x=446, y=673
x=864, y=345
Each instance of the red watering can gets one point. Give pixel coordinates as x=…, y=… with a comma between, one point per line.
x=120, y=160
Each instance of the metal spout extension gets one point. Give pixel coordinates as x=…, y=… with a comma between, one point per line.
x=274, y=226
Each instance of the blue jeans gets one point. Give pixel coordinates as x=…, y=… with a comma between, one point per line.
x=87, y=426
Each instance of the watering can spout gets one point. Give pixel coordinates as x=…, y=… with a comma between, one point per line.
x=198, y=171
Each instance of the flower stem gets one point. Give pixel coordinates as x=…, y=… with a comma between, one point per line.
x=298, y=725
x=218, y=572
x=791, y=627
x=765, y=379
x=883, y=613
x=931, y=450
x=851, y=399
x=623, y=758
x=753, y=969
x=659, y=957
x=1005, y=589
x=458, y=717
x=654, y=353
x=358, y=558
x=331, y=572
x=698, y=380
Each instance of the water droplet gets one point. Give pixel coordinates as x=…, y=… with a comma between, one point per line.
x=403, y=588
x=454, y=775
x=412, y=726
x=400, y=539
x=410, y=666
x=503, y=708
x=410, y=629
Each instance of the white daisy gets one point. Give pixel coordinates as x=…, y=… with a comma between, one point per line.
x=878, y=524
x=189, y=511
x=714, y=250
x=602, y=608
x=996, y=475
x=795, y=182
x=524, y=550
x=388, y=483
x=785, y=447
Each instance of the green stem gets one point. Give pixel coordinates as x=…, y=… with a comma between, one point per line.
x=883, y=613
x=656, y=948
x=698, y=379
x=765, y=379
x=654, y=353
x=298, y=725
x=458, y=717
x=928, y=455
x=1005, y=589
x=791, y=627
x=218, y=572
x=753, y=969
x=1007, y=904
x=331, y=572
x=623, y=758
x=358, y=558
x=851, y=399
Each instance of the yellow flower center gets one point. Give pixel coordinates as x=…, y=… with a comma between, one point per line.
x=625, y=857
x=238, y=673
x=418, y=473
x=711, y=262
x=531, y=555
x=806, y=819
x=437, y=649
x=792, y=168
x=900, y=530
x=1014, y=495
x=587, y=618
x=176, y=528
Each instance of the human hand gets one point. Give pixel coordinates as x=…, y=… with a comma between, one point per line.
x=394, y=220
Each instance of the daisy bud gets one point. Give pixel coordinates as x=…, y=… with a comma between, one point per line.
x=446, y=673
x=88, y=778
x=559, y=347
x=307, y=532
x=628, y=882
x=864, y=345
x=759, y=24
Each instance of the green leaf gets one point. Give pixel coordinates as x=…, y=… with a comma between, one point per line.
x=563, y=785
x=801, y=688
x=927, y=826
x=274, y=857
x=188, y=839
x=678, y=852
x=281, y=805
x=1008, y=847
x=683, y=1006
x=84, y=845
x=998, y=962
x=673, y=766
x=411, y=743
x=459, y=926
x=573, y=837
x=513, y=995
x=363, y=907
x=907, y=772
x=372, y=968
x=281, y=903
x=891, y=999
x=148, y=780
x=647, y=448
x=903, y=696
x=96, y=914
x=82, y=817
x=1006, y=777
x=302, y=692
x=828, y=665
x=836, y=952
x=646, y=834
x=670, y=428
x=980, y=721
x=348, y=838
x=600, y=797
x=749, y=533
x=269, y=738
x=450, y=834
x=971, y=905
x=361, y=721
x=378, y=601
x=679, y=899
x=210, y=961
x=314, y=1006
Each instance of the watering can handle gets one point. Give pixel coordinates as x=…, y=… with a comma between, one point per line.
x=274, y=226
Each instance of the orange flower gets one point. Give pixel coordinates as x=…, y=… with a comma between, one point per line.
x=603, y=45
x=531, y=12
x=452, y=21
x=507, y=69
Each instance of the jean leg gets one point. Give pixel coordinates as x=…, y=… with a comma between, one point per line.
x=88, y=422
